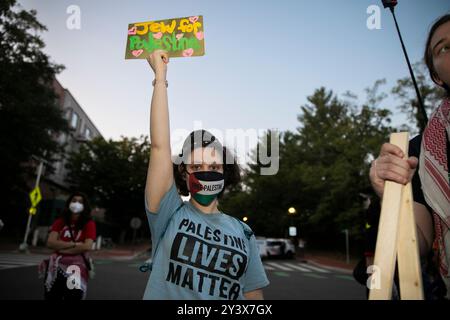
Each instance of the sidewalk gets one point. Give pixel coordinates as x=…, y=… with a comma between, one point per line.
x=119, y=252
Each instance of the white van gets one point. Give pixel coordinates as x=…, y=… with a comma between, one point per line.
x=280, y=247
x=262, y=246
x=275, y=247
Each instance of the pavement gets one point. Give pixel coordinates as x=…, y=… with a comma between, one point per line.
x=323, y=259
x=330, y=261
x=317, y=275
x=126, y=252
x=290, y=279
x=118, y=252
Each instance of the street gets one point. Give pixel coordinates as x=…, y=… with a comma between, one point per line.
x=121, y=279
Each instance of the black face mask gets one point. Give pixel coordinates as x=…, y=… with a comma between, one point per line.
x=205, y=186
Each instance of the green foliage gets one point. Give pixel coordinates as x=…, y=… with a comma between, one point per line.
x=431, y=96
x=112, y=174
x=29, y=115
x=323, y=170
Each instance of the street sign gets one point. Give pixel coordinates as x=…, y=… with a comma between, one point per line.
x=35, y=197
x=292, y=231
x=135, y=223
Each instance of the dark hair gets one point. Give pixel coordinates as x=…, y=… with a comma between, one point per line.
x=203, y=139
x=428, y=55
x=85, y=215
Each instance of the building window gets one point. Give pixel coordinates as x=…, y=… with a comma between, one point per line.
x=87, y=133
x=62, y=138
x=74, y=120
x=57, y=167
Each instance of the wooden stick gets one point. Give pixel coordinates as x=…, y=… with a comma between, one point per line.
x=386, y=248
x=409, y=269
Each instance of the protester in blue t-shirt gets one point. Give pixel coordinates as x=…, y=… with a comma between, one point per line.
x=198, y=251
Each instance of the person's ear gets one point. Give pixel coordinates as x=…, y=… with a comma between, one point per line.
x=437, y=80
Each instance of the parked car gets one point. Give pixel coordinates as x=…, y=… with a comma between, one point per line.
x=280, y=248
x=262, y=245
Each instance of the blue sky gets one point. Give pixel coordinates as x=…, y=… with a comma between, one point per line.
x=263, y=58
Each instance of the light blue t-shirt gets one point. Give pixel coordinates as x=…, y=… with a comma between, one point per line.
x=201, y=256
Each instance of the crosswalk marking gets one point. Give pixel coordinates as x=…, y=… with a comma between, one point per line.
x=9, y=261
x=318, y=269
x=278, y=266
x=297, y=267
x=19, y=259
x=289, y=266
x=6, y=266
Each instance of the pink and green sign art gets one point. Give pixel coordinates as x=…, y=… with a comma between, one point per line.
x=180, y=37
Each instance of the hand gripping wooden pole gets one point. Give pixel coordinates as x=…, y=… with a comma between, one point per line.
x=397, y=239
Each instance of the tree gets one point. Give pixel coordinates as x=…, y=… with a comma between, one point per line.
x=337, y=141
x=431, y=95
x=112, y=174
x=29, y=116
x=260, y=197
x=323, y=170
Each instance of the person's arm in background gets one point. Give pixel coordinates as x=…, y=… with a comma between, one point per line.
x=392, y=166
x=80, y=247
x=55, y=244
x=160, y=169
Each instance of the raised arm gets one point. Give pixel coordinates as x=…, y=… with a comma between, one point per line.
x=160, y=172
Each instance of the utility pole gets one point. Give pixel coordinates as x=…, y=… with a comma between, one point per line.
x=24, y=246
x=347, y=247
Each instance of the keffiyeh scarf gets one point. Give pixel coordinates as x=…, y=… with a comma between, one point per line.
x=434, y=176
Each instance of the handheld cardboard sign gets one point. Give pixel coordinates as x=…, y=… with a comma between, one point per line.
x=180, y=37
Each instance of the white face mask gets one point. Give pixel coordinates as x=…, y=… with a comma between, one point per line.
x=76, y=207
